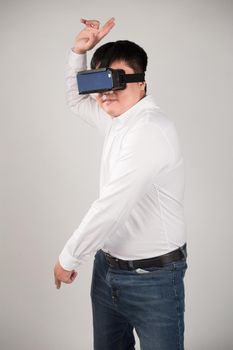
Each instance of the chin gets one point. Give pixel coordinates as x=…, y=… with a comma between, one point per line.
x=112, y=112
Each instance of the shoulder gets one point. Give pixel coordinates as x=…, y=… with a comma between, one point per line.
x=153, y=118
x=153, y=125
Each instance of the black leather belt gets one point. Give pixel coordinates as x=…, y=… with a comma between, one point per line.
x=158, y=261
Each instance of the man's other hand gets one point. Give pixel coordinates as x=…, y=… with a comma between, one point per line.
x=62, y=275
x=91, y=34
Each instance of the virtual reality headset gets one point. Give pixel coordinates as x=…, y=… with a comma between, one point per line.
x=105, y=79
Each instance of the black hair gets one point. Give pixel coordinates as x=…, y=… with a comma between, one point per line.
x=121, y=50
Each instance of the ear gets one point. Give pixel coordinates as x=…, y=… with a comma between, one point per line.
x=142, y=85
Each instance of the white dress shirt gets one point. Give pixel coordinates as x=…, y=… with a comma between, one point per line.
x=139, y=212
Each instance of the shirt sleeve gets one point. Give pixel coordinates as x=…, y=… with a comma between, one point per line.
x=145, y=154
x=85, y=106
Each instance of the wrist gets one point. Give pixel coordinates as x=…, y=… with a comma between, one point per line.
x=78, y=51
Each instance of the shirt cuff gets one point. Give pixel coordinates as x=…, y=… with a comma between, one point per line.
x=76, y=60
x=68, y=262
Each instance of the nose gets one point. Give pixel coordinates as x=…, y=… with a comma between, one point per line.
x=104, y=95
x=107, y=92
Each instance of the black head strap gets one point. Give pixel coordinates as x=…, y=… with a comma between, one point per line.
x=134, y=78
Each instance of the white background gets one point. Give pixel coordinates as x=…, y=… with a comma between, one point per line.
x=50, y=160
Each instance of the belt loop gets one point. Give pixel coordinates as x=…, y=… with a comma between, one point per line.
x=130, y=263
x=184, y=251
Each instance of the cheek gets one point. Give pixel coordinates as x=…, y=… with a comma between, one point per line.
x=129, y=94
x=98, y=98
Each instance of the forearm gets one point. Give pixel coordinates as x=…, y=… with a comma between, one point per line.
x=75, y=63
x=84, y=106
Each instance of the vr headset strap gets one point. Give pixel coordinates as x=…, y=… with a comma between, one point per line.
x=134, y=78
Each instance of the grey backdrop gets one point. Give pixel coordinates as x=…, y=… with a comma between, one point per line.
x=50, y=160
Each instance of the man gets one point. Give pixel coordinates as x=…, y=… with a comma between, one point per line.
x=136, y=226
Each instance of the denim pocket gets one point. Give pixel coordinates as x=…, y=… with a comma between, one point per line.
x=181, y=265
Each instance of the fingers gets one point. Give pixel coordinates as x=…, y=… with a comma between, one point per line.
x=66, y=278
x=112, y=19
x=58, y=283
x=90, y=23
x=106, y=28
x=94, y=24
x=73, y=276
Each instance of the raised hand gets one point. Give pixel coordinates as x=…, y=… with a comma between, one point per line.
x=91, y=34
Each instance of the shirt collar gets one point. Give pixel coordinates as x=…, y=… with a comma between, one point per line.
x=141, y=105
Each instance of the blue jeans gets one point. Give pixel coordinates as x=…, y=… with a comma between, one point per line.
x=150, y=300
